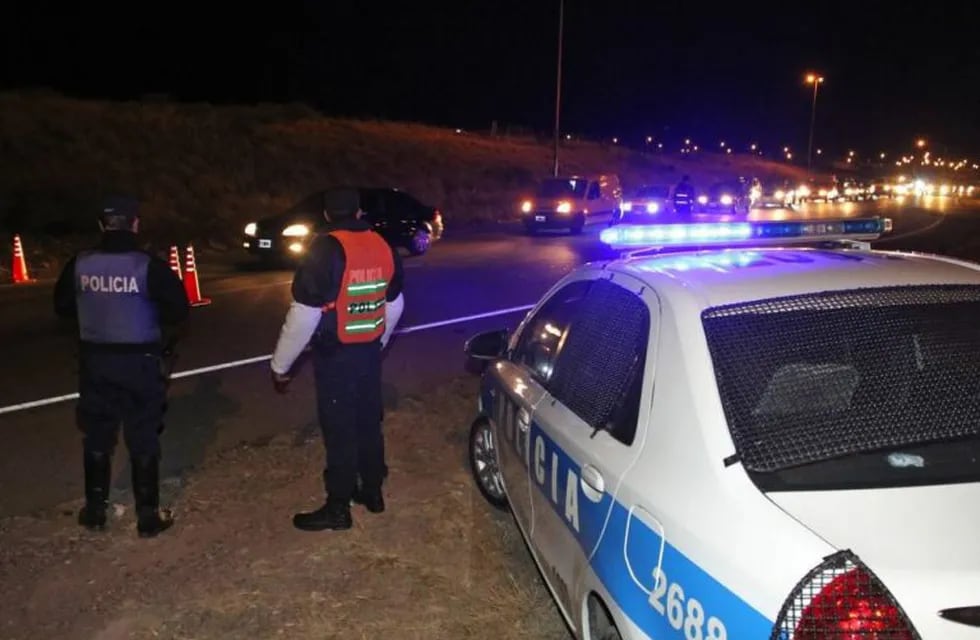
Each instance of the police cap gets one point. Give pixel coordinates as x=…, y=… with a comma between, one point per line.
x=341, y=203
x=119, y=206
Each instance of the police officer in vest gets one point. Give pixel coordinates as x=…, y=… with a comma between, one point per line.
x=347, y=299
x=123, y=299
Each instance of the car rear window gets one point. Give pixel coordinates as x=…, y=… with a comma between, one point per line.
x=840, y=375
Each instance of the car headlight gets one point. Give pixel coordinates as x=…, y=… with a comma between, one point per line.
x=780, y=194
x=296, y=231
x=564, y=207
x=726, y=200
x=627, y=206
x=251, y=228
x=526, y=206
x=702, y=199
x=653, y=207
x=803, y=191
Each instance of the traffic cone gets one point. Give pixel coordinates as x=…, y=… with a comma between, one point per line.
x=191, y=285
x=20, y=263
x=175, y=262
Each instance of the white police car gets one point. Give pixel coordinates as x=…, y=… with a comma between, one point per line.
x=764, y=442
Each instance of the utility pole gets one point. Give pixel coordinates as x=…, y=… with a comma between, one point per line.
x=561, y=29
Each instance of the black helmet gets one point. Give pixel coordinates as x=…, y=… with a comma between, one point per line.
x=340, y=204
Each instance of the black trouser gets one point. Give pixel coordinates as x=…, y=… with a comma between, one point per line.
x=121, y=388
x=348, y=392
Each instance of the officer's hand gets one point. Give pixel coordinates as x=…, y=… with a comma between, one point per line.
x=280, y=382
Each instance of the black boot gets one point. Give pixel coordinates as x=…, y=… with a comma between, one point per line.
x=98, y=475
x=333, y=515
x=150, y=520
x=372, y=499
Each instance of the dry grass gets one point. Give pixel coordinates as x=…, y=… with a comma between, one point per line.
x=203, y=171
x=439, y=563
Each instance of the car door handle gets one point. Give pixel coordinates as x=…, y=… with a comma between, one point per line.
x=592, y=479
x=523, y=420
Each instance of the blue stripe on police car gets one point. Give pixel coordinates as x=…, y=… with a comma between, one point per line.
x=677, y=600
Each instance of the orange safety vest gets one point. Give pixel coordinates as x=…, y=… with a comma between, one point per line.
x=368, y=270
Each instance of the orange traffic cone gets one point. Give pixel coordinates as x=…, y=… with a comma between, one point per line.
x=20, y=263
x=191, y=285
x=175, y=262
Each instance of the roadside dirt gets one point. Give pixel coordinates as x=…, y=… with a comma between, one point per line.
x=439, y=563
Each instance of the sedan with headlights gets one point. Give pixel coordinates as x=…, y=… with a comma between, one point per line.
x=400, y=218
x=647, y=204
x=726, y=198
x=773, y=195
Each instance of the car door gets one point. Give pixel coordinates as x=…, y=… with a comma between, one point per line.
x=403, y=213
x=517, y=386
x=593, y=200
x=583, y=439
x=374, y=206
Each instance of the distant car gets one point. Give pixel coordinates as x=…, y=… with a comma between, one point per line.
x=774, y=194
x=400, y=218
x=854, y=190
x=816, y=191
x=879, y=189
x=648, y=203
x=571, y=202
x=725, y=197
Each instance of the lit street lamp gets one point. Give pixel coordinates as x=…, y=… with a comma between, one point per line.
x=816, y=81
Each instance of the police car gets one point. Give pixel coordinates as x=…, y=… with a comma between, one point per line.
x=774, y=439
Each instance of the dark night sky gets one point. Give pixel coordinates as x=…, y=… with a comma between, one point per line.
x=679, y=69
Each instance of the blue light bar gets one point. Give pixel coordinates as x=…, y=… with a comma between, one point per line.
x=743, y=233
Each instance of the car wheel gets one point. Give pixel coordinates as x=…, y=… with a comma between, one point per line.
x=610, y=633
x=419, y=242
x=483, y=463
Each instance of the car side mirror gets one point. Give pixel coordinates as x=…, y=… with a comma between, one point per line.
x=489, y=345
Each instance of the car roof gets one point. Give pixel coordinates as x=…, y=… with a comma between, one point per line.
x=729, y=276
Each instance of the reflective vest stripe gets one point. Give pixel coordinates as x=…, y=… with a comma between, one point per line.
x=366, y=288
x=357, y=327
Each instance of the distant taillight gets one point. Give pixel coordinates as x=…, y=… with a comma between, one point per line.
x=842, y=600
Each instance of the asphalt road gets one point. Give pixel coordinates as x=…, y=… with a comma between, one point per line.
x=464, y=275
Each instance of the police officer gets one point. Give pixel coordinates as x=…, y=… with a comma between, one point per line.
x=347, y=299
x=684, y=196
x=123, y=300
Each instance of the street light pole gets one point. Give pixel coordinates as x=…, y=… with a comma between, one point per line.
x=561, y=29
x=815, y=80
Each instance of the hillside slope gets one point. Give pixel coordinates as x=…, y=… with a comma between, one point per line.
x=202, y=171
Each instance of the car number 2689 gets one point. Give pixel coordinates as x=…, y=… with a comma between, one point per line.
x=668, y=600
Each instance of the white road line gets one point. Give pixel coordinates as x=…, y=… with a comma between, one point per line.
x=478, y=316
x=23, y=406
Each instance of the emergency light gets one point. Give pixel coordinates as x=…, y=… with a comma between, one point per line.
x=744, y=233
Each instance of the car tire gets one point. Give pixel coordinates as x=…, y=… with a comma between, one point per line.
x=483, y=463
x=419, y=243
x=601, y=625
x=578, y=226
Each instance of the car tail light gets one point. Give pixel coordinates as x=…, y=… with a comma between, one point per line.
x=842, y=600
